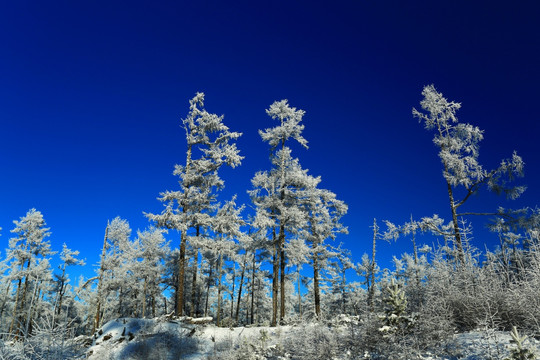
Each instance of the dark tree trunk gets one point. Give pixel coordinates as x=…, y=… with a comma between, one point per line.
x=193, y=311
x=316, y=286
x=232, y=290
x=240, y=288
x=181, y=274
x=282, y=270
x=275, y=274
x=97, y=318
x=253, y=289
x=457, y=233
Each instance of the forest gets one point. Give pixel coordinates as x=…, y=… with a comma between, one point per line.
x=279, y=261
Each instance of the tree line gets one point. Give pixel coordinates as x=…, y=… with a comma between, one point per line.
x=251, y=268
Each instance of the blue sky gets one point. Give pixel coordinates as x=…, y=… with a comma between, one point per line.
x=92, y=95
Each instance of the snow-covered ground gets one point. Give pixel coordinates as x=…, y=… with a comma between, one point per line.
x=196, y=339
x=160, y=338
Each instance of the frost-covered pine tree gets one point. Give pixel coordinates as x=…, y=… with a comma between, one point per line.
x=28, y=253
x=69, y=258
x=226, y=226
x=395, y=319
x=275, y=192
x=210, y=145
x=459, y=151
x=520, y=351
x=153, y=249
x=299, y=255
x=323, y=213
x=245, y=249
x=111, y=284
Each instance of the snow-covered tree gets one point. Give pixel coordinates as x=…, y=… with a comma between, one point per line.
x=323, y=213
x=458, y=145
x=69, y=258
x=111, y=283
x=275, y=191
x=210, y=145
x=28, y=253
x=153, y=249
x=226, y=226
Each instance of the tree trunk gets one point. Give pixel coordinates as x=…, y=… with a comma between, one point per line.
x=27, y=328
x=282, y=270
x=220, y=275
x=232, y=290
x=299, y=295
x=193, y=311
x=5, y=300
x=208, y=290
x=316, y=290
x=144, y=297
x=343, y=285
x=181, y=272
x=16, y=307
x=165, y=304
x=61, y=293
x=457, y=233
x=253, y=289
x=193, y=308
x=240, y=288
x=25, y=290
x=371, y=285
x=453, y=207
x=100, y=282
x=275, y=274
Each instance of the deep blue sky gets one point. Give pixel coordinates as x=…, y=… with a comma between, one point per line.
x=92, y=94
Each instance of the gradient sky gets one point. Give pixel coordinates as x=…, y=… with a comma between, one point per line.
x=92, y=94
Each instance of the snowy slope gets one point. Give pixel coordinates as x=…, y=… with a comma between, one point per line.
x=193, y=339
x=129, y=338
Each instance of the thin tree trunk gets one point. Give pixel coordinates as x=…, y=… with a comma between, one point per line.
x=220, y=275
x=179, y=311
x=343, y=285
x=371, y=285
x=16, y=307
x=253, y=289
x=208, y=290
x=457, y=233
x=25, y=291
x=316, y=290
x=275, y=274
x=282, y=270
x=100, y=281
x=5, y=300
x=453, y=207
x=165, y=304
x=181, y=272
x=58, y=305
x=144, y=297
x=61, y=293
x=232, y=290
x=193, y=311
x=193, y=308
x=415, y=250
x=30, y=309
x=240, y=289
x=299, y=295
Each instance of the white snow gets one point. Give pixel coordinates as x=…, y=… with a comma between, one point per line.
x=128, y=336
